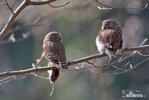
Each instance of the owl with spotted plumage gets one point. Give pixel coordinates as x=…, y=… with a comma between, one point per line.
x=109, y=39
x=54, y=52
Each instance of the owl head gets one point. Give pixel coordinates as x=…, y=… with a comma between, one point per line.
x=53, y=36
x=109, y=24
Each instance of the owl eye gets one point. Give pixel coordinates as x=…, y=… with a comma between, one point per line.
x=56, y=39
x=106, y=25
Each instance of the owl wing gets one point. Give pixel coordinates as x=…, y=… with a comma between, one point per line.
x=48, y=49
x=61, y=54
x=48, y=52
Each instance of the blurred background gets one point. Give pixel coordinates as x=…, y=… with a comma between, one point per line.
x=79, y=22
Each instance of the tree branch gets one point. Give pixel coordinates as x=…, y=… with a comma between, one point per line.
x=26, y=71
x=81, y=60
x=30, y=2
x=105, y=6
x=84, y=59
x=13, y=16
x=9, y=6
x=7, y=27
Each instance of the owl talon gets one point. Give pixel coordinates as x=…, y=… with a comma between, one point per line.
x=110, y=59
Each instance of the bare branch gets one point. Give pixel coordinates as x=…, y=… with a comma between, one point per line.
x=9, y=6
x=12, y=18
x=26, y=71
x=7, y=79
x=14, y=3
x=132, y=67
x=144, y=41
x=84, y=59
x=3, y=4
x=141, y=54
x=39, y=76
x=92, y=64
x=105, y=6
x=59, y=5
x=30, y=2
x=108, y=66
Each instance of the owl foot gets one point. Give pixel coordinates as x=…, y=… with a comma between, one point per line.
x=110, y=59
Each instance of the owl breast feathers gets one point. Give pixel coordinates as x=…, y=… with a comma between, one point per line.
x=109, y=39
x=54, y=50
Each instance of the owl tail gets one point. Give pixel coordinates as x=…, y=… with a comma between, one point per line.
x=53, y=75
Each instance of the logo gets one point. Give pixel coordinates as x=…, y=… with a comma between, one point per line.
x=132, y=94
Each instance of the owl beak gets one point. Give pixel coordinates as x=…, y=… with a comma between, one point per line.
x=58, y=37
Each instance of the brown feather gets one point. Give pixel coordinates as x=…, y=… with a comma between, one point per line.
x=109, y=39
x=54, y=51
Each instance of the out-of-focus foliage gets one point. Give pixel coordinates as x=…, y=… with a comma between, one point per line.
x=79, y=22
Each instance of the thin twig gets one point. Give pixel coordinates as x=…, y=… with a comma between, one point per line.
x=108, y=66
x=39, y=76
x=92, y=64
x=126, y=3
x=26, y=71
x=122, y=59
x=59, y=5
x=3, y=4
x=9, y=6
x=7, y=79
x=132, y=67
x=144, y=41
x=142, y=54
x=105, y=6
x=21, y=7
x=11, y=78
x=14, y=3
x=117, y=68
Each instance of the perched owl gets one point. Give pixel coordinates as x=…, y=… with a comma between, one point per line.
x=54, y=52
x=109, y=39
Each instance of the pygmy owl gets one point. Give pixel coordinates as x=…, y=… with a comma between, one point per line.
x=109, y=39
x=54, y=52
